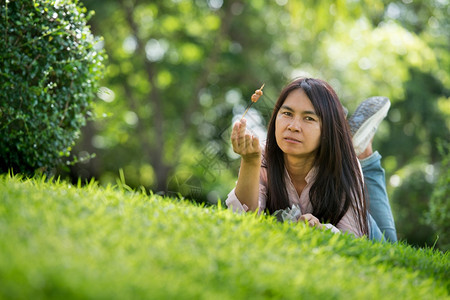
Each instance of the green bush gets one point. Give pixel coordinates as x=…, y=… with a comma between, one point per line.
x=438, y=216
x=50, y=65
x=410, y=203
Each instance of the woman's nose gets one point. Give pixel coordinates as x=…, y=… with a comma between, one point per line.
x=294, y=126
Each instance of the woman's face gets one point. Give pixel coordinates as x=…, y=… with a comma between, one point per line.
x=297, y=126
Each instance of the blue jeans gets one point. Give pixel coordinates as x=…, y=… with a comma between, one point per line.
x=381, y=221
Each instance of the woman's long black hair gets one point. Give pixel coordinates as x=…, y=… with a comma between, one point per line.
x=338, y=185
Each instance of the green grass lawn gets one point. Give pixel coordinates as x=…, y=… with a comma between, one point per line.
x=66, y=242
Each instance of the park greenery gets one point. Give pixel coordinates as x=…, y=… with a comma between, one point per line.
x=49, y=73
x=65, y=241
x=180, y=71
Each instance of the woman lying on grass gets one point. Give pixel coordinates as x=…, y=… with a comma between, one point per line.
x=310, y=162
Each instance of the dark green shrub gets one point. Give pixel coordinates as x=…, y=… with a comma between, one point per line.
x=49, y=67
x=410, y=203
x=438, y=216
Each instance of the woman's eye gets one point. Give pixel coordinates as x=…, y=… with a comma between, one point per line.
x=309, y=119
x=287, y=113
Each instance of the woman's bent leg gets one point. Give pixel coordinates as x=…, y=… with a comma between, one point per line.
x=379, y=207
x=374, y=231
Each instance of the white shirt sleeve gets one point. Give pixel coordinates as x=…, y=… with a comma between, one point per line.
x=233, y=202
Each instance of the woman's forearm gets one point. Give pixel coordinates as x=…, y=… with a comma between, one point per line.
x=247, y=187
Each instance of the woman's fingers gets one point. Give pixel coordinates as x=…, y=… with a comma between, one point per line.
x=310, y=220
x=255, y=143
x=243, y=142
x=247, y=141
x=238, y=134
x=235, y=136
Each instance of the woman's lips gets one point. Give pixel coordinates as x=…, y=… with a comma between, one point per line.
x=291, y=140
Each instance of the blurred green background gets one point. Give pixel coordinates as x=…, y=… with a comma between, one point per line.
x=178, y=71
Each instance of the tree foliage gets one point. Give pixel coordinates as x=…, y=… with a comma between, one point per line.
x=49, y=71
x=438, y=215
x=181, y=70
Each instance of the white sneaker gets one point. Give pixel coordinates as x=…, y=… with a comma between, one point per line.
x=364, y=122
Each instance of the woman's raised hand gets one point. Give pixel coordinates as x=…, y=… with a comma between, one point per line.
x=244, y=143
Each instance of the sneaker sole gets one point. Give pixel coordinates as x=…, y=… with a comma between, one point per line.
x=363, y=134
